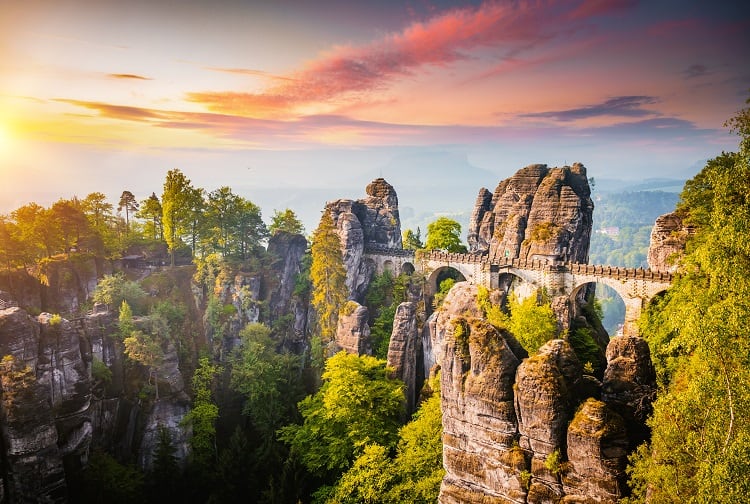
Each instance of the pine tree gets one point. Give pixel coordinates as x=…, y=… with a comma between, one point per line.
x=328, y=277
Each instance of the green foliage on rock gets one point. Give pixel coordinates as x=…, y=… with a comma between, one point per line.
x=444, y=234
x=268, y=381
x=359, y=404
x=112, y=290
x=700, y=439
x=286, y=221
x=414, y=474
x=531, y=322
x=204, y=413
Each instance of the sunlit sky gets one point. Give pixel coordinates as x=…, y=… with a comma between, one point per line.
x=109, y=95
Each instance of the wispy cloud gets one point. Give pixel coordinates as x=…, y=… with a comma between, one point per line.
x=347, y=72
x=126, y=76
x=620, y=106
x=696, y=70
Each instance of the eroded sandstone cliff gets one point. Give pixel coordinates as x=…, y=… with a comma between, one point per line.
x=527, y=430
x=369, y=222
x=668, y=238
x=538, y=213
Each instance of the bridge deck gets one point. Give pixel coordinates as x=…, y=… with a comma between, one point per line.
x=615, y=272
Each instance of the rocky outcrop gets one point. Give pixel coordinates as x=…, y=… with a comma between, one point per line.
x=629, y=383
x=369, y=222
x=403, y=350
x=538, y=213
x=482, y=462
x=545, y=401
x=353, y=332
x=668, y=238
x=532, y=430
x=287, y=249
x=597, y=455
x=45, y=405
x=61, y=285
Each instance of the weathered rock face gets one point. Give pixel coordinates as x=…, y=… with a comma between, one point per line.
x=629, y=383
x=538, y=213
x=532, y=430
x=45, y=405
x=353, y=332
x=67, y=284
x=403, y=350
x=597, y=455
x=53, y=411
x=370, y=222
x=668, y=238
x=479, y=421
x=288, y=249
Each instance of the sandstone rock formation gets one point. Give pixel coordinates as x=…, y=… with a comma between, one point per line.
x=288, y=250
x=54, y=411
x=668, y=238
x=403, y=350
x=531, y=430
x=369, y=222
x=597, y=455
x=45, y=405
x=353, y=332
x=629, y=383
x=479, y=421
x=538, y=213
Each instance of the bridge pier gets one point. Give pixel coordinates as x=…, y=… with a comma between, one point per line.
x=633, y=309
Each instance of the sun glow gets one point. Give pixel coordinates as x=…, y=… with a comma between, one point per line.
x=6, y=141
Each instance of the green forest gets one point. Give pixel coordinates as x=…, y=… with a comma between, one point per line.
x=274, y=420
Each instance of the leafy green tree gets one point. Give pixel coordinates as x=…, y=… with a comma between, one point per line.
x=164, y=478
x=112, y=290
x=151, y=211
x=108, y=481
x=269, y=381
x=358, y=404
x=202, y=417
x=146, y=350
x=11, y=248
x=412, y=240
x=178, y=201
x=444, y=234
x=285, y=221
x=31, y=221
x=700, y=427
x=71, y=222
x=328, y=277
x=413, y=475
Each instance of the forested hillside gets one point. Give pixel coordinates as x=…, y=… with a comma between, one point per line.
x=623, y=223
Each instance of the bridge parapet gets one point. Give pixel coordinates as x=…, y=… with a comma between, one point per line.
x=438, y=256
x=387, y=251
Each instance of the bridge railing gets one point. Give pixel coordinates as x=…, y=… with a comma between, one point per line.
x=387, y=251
x=536, y=264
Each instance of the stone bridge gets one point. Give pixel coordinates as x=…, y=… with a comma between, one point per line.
x=636, y=287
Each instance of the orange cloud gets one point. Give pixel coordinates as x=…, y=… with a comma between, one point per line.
x=127, y=76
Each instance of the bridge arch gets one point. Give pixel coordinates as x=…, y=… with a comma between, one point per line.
x=440, y=274
x=408, y=268
x=611, y=302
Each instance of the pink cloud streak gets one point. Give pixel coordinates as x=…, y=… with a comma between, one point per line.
x=346, y=71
